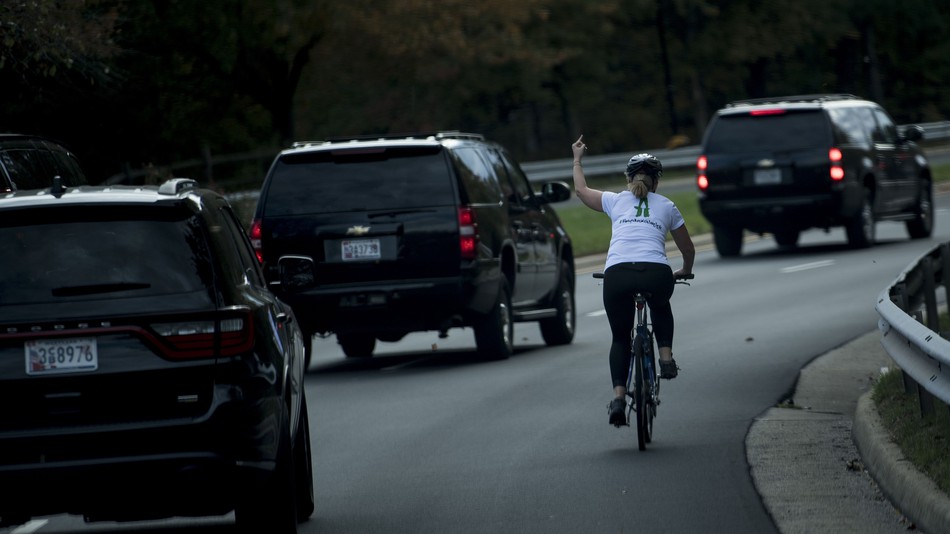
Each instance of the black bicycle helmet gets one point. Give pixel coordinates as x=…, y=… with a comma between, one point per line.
x=646, y=163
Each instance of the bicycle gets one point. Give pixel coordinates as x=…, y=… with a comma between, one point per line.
x=643, y=388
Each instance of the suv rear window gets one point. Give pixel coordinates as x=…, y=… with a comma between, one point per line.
x=115, y=254
x=779, y=132
x=359, y=180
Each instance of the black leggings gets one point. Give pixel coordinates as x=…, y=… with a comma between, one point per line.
x=621, y=282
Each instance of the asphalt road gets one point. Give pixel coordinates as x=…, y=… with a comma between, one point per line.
x=424, y=437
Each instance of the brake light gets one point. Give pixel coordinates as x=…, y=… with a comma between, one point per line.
x=837, y=171
x=764, y=112
x=206, y=337
x=701, y=180
x=255, y=235
x=468, y=235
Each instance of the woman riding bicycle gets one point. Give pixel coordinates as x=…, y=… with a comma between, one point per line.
x=637, y=262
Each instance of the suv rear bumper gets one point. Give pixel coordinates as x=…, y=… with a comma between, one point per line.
x=395, y=307
x=153, y=469
x=767, y=214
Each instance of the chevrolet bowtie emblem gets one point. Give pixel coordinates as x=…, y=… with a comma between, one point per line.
x=357, y=230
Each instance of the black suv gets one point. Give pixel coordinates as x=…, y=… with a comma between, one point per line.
x=786, y=164
x=146, y=371
x=386, y=236
x=31, y=162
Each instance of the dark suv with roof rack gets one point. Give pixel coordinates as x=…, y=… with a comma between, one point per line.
x=786, y=164
x=146, y=371
x=427, y=232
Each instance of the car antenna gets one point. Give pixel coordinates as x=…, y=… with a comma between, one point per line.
x=57, y=189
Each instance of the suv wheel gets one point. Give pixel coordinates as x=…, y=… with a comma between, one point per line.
x=303, y=464
x=728, y=240
x=271, y=506
x=357, y=345
x=495, y=331
x=787, y=238
x=922, y=224
x=559, y=330
x=860, y=228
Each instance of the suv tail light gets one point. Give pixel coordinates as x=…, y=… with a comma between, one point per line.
x=837, y=171
x=218, y=335
x=255, y=235
x=701, y=180
x=468, y=234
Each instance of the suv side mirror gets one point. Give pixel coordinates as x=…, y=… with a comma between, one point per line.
x=912, y=133
x=296, y=272
x=555, y=192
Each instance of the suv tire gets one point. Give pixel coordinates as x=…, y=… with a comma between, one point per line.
x=494, y=333
x=357, y=345
x=559, y=330
x=922, y=224
x=728, y=240
x=787, y=238
x=860, y=228
x=271, y=506
x=303, y=465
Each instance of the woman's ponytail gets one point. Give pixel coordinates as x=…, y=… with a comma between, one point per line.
x=640, y=185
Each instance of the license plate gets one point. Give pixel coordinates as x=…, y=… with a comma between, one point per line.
x=767, y=176
x=52, y=356
x=360, y=249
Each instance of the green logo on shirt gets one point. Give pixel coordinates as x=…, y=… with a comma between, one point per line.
x=643, y=209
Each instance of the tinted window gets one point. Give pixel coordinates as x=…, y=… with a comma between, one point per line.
x=359, y=180
x=775, y=133
x=25, y=168
x=480, y=182
x=88, y=254
x=67, y=167
x=886, y=132
x=852, y=124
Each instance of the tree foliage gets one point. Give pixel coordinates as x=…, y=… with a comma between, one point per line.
x=133, y=82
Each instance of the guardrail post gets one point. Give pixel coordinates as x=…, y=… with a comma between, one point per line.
x=926, y=402
x=930, y=294
x=945, y=271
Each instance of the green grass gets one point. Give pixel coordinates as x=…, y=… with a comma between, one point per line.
x=924, y=441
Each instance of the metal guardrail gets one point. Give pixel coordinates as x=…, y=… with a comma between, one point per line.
x=677, y=158
x=538, y=171
x=917, y=347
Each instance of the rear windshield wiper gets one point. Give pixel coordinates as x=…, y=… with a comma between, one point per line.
x=92, y=289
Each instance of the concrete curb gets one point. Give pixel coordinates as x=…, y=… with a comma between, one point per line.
x=916, y=495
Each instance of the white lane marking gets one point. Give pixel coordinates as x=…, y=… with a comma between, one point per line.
x=807, y=266
x=30, y=526
x=597, y=313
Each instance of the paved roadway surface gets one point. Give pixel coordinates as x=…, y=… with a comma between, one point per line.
x=424, y=437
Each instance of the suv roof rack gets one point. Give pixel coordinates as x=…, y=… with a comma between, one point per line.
x=794, y=98
x=449, y=134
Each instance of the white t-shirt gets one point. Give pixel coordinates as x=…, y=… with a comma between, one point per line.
x=639, y=227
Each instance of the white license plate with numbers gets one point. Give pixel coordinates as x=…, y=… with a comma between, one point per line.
x=767, y=176
x=69, y=355
x=360, y=249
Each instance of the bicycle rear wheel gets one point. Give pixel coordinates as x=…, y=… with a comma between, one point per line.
x=641, y=407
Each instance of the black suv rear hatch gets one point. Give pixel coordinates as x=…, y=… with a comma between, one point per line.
x=769, y=151
x=366, y=214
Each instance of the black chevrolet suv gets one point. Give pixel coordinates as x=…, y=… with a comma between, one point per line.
x=379, y=237
x=786, y=164
x=146, y=371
